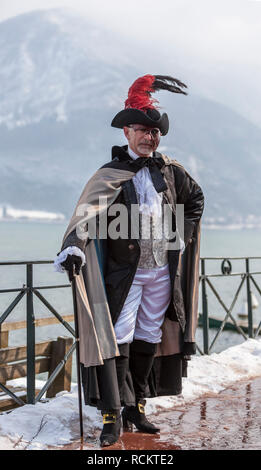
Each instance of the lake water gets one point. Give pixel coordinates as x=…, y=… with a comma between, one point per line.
x=20, y=240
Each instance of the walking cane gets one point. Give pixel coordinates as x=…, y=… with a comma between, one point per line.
x=77, y=356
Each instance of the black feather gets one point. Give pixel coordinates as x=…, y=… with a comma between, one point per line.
x=164, y=82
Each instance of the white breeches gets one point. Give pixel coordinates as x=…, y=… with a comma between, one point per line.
x=143, y=311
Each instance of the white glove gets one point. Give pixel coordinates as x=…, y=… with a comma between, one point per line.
x=70, y=250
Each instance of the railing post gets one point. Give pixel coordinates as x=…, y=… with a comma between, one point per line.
x=30, y=336
x=249, y=302
x=205, y=322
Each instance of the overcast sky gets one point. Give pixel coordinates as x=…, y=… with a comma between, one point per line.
x=217, y=42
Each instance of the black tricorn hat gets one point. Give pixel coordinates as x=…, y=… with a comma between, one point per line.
x=140, y=108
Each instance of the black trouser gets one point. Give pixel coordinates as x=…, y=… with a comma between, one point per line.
x=115, y=382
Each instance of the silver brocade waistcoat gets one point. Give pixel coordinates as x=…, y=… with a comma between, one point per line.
x=153, y=243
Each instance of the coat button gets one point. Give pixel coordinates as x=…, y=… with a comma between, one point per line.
x=131, y=247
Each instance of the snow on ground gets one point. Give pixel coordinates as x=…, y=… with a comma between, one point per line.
x=56, y=421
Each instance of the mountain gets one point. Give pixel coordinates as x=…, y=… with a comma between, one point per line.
x=61, y=82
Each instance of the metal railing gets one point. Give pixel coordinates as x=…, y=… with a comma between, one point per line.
x=30, y=290
x=226, y=271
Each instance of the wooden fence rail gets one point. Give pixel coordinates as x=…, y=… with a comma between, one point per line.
x=48, y=354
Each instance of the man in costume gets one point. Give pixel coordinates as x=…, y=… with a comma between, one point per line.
x=137, y=293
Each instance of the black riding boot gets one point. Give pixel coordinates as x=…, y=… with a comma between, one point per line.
x=112, y=419
x=122, y=367
x=141, y=360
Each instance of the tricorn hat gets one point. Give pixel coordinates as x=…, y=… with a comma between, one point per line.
x=140, y=106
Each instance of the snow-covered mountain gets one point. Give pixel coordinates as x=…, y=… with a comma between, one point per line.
x=61, y=82
x=53, y=64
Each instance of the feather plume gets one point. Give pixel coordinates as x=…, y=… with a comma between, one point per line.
x=164, y=82
x=139, y=94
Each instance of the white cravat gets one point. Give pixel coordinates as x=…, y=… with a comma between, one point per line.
x=149, y=199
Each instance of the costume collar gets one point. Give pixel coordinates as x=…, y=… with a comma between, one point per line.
x=123, y=155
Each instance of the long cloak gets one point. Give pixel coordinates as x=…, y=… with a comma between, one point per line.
x=98, y=345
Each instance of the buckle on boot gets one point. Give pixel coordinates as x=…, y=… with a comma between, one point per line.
x=141, y=408
x=109, y=418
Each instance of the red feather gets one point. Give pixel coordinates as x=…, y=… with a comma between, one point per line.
x=139, y=95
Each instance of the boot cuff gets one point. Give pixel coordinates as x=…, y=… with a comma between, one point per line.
x=143, y=347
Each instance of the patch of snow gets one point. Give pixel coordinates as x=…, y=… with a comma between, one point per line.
x=213, y=373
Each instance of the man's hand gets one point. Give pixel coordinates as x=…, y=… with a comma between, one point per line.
x=72, y=264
